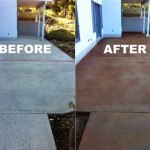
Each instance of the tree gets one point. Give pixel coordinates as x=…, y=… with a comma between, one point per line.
x=67, y=7
x=55, y=7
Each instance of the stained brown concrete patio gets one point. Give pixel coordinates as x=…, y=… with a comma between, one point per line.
x=117, y=131
x=118, y=83
x=115, y=90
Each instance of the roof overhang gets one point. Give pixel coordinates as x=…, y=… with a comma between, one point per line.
x=32, y=3
x=134, y=1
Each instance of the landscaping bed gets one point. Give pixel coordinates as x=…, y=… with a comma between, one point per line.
x=81, y=121
x=61, y=32
x=64, y=40
x=64, y=129
x=67, y=47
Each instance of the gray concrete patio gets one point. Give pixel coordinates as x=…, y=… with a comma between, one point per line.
x=36, y=83
x=32, y=86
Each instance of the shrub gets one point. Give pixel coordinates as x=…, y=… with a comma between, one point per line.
x=60, y=35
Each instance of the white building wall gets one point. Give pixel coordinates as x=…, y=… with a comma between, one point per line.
x=8, y=19
x=112, y=24
x=87, y=38
x=111, y=10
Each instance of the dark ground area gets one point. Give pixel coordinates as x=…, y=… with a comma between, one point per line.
x=63, y=127
x=81, y=121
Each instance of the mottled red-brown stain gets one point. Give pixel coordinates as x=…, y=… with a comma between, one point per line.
x=117, y=131
x=116, y=82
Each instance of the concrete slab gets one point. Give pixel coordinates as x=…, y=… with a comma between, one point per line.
x=30, y=85
x=114, y=83
x=117, y=131
x=25, y=132
x=56, y=53
x=126, y=39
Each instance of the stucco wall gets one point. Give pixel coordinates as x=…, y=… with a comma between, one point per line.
x=8, y=19
x=111, y=18
x=112, y=25
x=28, y=28
x=133, y=24
x=87, y=37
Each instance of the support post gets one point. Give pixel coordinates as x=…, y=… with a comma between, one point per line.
x=144, y=18
x=148, y=20
x=141, y=11
x=36, y=18
x=39, y=22
x=43, y=22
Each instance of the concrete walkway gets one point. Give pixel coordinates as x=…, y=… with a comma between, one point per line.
x=115, y=90
x=25, y=132
x=31, y=86
x=36, y=83
x=118, y=82
x=117, y=131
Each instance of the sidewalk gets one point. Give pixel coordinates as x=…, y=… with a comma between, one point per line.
x=32, y=86
x=36, y=83
x=115, y=90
